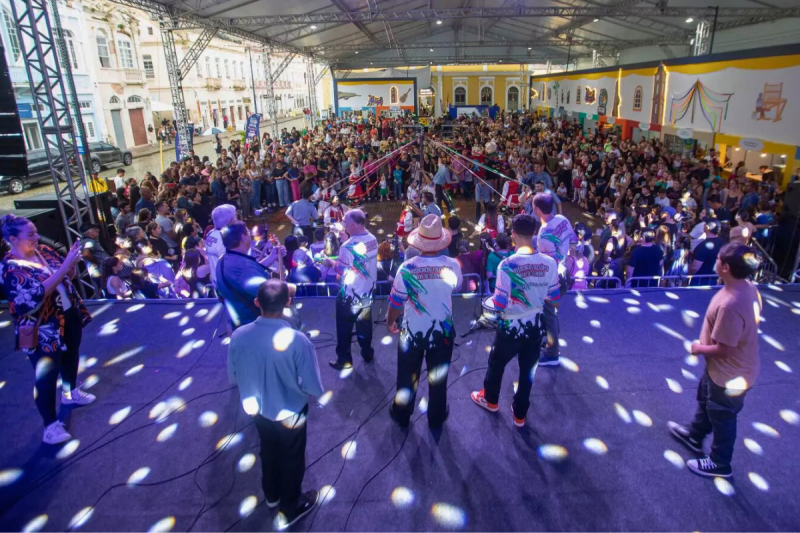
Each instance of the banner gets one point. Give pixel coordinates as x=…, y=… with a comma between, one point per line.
x=178, y=155
x=252, y=128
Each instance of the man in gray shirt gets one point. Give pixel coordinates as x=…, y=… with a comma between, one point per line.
x=275, y=368
x=167, y=226
x=302, y=213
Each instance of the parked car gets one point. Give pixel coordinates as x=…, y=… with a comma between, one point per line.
x=102, y=155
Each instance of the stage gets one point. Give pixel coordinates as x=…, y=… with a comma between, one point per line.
x=168, y=446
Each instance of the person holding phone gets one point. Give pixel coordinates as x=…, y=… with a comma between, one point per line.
x=49, y=317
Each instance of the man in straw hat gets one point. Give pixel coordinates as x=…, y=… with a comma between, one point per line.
x=525, y=280
x=357, y=268
x=423, y=289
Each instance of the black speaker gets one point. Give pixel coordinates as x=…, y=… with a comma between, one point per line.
x=12, y=149
x=47, y=222
x=791, y=200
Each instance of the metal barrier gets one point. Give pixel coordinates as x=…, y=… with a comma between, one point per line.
x=696, y=280
x=599, y=283
x=471, y=284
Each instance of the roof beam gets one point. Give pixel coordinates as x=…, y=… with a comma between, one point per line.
x=512, y=61
x=357, y=23
x=498, y=12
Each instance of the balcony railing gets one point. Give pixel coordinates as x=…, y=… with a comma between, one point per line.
x=239, y=84
x=133, y=75
x=213, y=83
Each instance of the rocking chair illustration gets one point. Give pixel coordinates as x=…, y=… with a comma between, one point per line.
x=771, y=98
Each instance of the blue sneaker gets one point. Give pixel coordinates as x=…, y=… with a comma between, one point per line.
x=549, y=360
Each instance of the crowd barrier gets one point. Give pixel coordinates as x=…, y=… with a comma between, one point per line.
x=696, y=280
x=471, y=284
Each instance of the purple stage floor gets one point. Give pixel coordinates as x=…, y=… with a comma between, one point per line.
x=168, y=446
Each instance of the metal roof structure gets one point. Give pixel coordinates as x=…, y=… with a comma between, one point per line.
x=360, y=33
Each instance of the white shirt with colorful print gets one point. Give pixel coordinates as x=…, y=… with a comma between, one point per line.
x=524, y=281
x=424, y=286
x=559, y=232
x=357, y=265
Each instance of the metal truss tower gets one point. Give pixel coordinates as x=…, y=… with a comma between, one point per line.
x=167, y=26
x=50, y=100
x=311, y=83
x=702, y=39
x=272, y=105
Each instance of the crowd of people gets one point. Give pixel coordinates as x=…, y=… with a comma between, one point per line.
x=185, y=234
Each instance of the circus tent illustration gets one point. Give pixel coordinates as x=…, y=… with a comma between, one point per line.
x=713, y=105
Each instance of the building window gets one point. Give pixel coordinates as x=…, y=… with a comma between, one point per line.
x=85, y=105
x=198, y=69
x=149, y=70
x=486, y=96
x=460, y=96
x=637, y=98
x=134, y=99
x=227, y=70
x=578, y=96
x=33, y=140
x=513, y=99
x=149, y=30
x=393, y=95
x=13, y=39
x=102, y=49
x=208, y=67
x=89, y=125
x=70, y=46
x=113, y=100
x=125, y=50
x=216, y=64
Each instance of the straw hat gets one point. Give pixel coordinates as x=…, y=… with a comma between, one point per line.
x=429, y=236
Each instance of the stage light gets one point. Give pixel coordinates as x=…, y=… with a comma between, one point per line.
x=601, y=382
x=766, y=430
x=208, y=419
x=326, y=494
x=167, y=433
x=642, y=419
x=138, y=476
x=2, y=384
x=674, y=458
x=349, y=450
x=9, y=476
x=689, y=20
x=313, y=334
x=123, y=356
x=36, y=524
x=313, y=26
x=81, y=517
x=325, y=398
x=753, y=446
x=438, y=22
x=247, y=506
x=228, y=441
x=774, y=343
x=688, y=375
x=119, y=416
x=246, y=462
x=552, y=452
x=569, y=364
x=449, y=516
x=596, y=446
x=402, y=497
x=163, y=526
x=758, y=481
x=282, y=339
x=622, y=413
x=134, y=370
x=724, y=486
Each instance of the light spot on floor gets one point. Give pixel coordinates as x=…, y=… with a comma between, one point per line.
x=674, y=458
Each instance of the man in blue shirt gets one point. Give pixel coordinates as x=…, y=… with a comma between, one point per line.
x=751, y=198
x=302, y=213
x=539, y=176
x=442, y=177
x=146, y=201
x=276, y=370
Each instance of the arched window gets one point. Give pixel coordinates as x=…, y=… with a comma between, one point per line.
x=227, y=70
x=135, y=99
x=113, y=100
x=393, y=95
x=125, y=52
x=486, y=96
x=460, y=96
x=241, y=68
x=71, y=55
x=637, y=98
x=208, y=67
x=513, y=99
x=102, y=49
x=578, y=96
x=198, y=69
x=216, y=64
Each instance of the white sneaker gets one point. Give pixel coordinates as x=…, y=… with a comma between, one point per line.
x=55, y=433
x=77, y=397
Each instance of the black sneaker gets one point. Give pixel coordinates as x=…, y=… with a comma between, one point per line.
x=273, y=504
x=681, y=433
x=548, y=360
x=339, y=365
x=706, y=467
x=369, y=359
x=305, y=504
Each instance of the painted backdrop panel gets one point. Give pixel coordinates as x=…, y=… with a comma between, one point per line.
x=356, y=94
x=637, y=96
x=580, y=95
x=753, y=103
